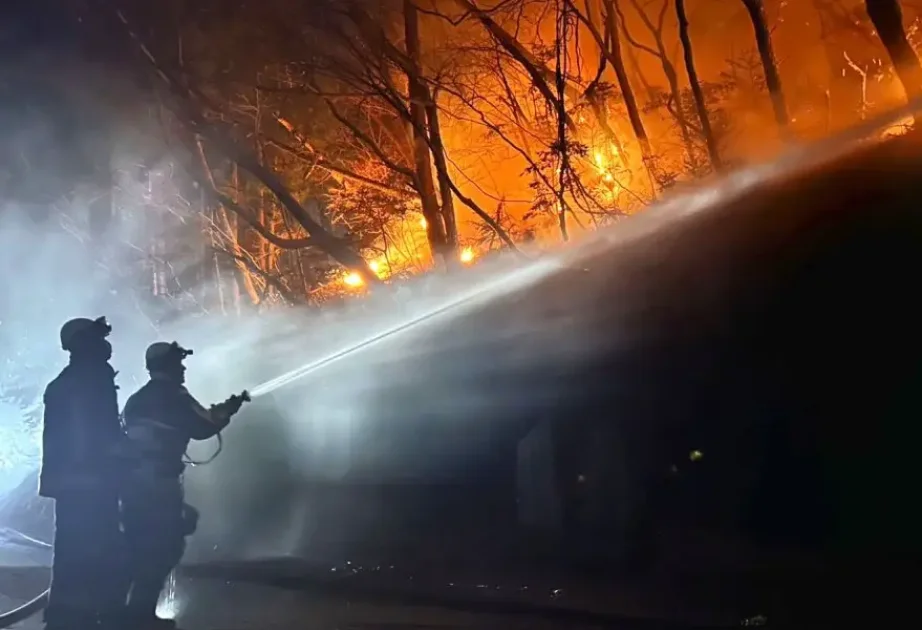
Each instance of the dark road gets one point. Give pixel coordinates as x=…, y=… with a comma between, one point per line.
x=223, y=604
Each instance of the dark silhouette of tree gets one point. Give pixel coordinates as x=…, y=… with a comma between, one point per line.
x=700, y=105
x=196, y=112
x=756, y=9
x=887, y=17
x=442, y=234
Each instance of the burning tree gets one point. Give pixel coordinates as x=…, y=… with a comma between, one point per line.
x=343, y=141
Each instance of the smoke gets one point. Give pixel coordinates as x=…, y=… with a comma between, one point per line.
x=437, y=383
x=430, y=390
x=342, y=409
x=62, y=264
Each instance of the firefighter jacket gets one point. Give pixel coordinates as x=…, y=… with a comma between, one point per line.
x=81, y=433
x=159, y=421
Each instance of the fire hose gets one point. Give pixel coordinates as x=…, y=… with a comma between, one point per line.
x=30, y=608
x=34, y=605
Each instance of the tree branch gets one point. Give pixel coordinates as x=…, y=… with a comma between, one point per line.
x=270, y=279
x=536, y=71
x=627, y=33
x=323, y=163
x=208, y=185
x=365, y=139
x=185, y=98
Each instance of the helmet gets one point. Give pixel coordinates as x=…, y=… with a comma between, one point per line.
x=162, y=353
x=83, y=328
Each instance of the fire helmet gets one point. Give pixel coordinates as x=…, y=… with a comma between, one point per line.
x=75, y=330
x=162, y=354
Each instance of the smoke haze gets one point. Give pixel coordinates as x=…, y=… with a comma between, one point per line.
x=494, y=355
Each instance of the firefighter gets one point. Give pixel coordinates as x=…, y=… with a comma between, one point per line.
x=81, y=437
x=159, y=420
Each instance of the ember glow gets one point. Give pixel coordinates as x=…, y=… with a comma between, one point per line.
x=353, y=279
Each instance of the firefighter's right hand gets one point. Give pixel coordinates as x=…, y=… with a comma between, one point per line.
x=235, y=402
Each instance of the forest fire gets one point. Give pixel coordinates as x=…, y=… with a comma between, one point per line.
x=362, y=144
x=422, y=126
x=353, y=279
x=311, y=153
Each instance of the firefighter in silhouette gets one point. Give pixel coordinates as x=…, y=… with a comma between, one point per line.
x=80, y=469
x=159, y=421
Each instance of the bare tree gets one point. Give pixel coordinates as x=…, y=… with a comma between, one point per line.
x=562, y=145
x=419, y=110
x=189, y=106
x=656, y=29
x=420, y=99
x=441, y=166
x=756, y=9
x=608, y=38
x=700, y=105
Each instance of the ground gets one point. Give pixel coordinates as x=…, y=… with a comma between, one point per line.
x=217, y=604
x=290, y=594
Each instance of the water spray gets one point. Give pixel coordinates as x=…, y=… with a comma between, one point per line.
x=520, y=278
x=728, y=186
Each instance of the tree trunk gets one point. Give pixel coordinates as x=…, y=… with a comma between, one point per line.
x=561, y=42
x=441, y=167
x=888, y=20
x=616, y=59
x=419, y=97
x=700, y=104
x=756, y=9
x=237, y=230
x=672, y=78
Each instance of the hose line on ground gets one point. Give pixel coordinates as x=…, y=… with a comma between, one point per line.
x=30, y=608
x=33, y=606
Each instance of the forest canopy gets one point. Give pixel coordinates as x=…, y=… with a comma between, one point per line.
x=314, y=149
